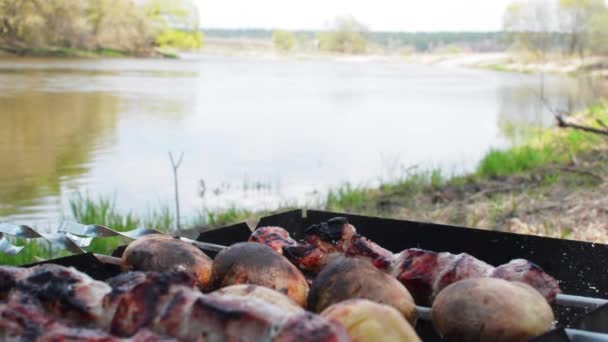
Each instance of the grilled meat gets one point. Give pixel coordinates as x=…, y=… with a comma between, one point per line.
x=260, y=292
x=274, y=237
x=147, y=307
x=159, y=253
x=308, y=327
x=529, y=273
x=424, y=273
x=137, y=298
x=258, y=264
x=63, y=292
x=337, y=235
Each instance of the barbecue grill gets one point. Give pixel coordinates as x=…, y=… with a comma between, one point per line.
x=580, y=267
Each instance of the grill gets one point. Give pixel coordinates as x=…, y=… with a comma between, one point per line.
x=581, y=268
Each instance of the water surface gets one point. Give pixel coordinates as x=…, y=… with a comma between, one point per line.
x=259, y=132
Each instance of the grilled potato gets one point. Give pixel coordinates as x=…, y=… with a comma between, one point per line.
x=257, y=264
x=349, y=278
x=260, y=292
x=367, y=321
x=490, y=309
x=160, y=253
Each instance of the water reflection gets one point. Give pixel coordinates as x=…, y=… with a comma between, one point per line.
x=50, y=139
x=525, y=108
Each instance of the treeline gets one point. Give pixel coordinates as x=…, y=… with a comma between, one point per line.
x=135, y=27
x=569, y=27
x=412, y=41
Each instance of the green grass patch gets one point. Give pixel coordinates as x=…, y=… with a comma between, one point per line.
x=545, y=147
x=222, y=217
x=347, y=197
x=100, y=211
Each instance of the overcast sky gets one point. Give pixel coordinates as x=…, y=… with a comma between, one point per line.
x=378, y=15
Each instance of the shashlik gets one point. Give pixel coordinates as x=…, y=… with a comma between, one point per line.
x=424, y=273
x=124, y=307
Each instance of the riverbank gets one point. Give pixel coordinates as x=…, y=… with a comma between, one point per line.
x=80, y=53
x=554, y=184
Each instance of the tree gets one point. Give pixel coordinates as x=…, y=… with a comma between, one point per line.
x=530, y=26
x=575, y=17
x=347, y=36
x=283, y=41
x=175, y=22
x=598, y=36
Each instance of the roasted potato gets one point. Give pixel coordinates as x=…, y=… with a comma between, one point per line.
x=257, y=264
x=490, y=309
x=260, y=292
x=367, y=321
x=160, y=253
x=349, y=278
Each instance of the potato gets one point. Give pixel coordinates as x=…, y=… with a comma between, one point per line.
x=349, y=278
x=260, y=292
x=490, y=309
x=257, y=264
x=160, y=253
x=365, y=321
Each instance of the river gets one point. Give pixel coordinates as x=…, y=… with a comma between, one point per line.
x=258, y=132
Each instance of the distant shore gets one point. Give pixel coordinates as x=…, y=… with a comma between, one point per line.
x=263, y=48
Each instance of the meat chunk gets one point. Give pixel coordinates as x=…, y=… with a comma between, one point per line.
x=137, y=299
x=308, y=327
x=64, y=292
x=28, y=322
x=159, y=253
x=9, y=276
x=257, y=264
x=260, y=292
x=274, y=237
x=529, y=273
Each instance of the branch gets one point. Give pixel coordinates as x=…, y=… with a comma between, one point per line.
x=564, y=124
x=561, y=122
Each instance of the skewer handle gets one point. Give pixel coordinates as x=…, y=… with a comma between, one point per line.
x=586, y=336
x=580, y=301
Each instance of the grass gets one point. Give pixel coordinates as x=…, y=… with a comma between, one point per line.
x=87, y=210
x=539, y=148
x=546, y=147
x=65, y=52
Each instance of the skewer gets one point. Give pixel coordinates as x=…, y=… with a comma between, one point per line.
x=68, y=238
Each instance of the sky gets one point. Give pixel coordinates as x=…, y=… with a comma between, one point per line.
x=378, y=15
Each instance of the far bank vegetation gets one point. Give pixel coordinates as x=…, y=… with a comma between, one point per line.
x=546, y=28
x=346, y=35
x=100, y=26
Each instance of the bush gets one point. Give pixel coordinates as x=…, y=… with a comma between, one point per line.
x=283, y=41
x=171, y=38
x=347, y=37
